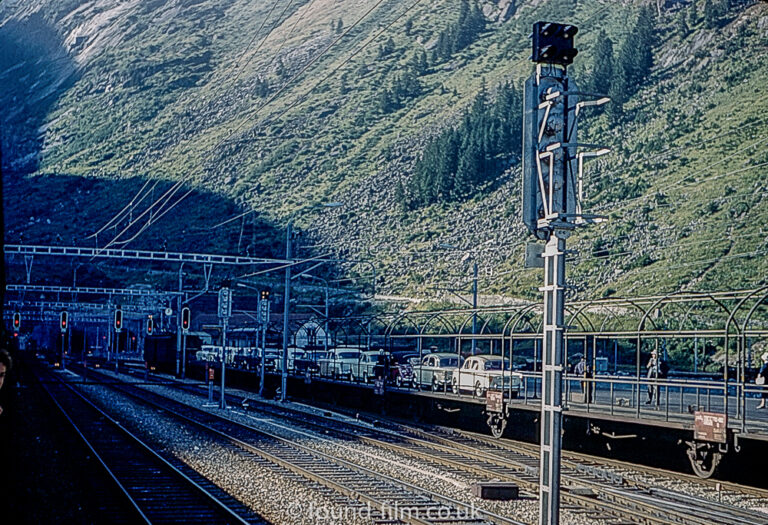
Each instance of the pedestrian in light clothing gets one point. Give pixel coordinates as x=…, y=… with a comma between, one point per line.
x=582, y=369
x=762, y=379
x=653, y=374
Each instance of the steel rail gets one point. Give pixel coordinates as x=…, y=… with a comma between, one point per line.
x=147, y=510
x=323, y=479
x=613, y=500
x=486, y=465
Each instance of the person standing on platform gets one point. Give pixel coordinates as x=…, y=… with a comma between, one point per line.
x=583, y=370
x=762, y=379
x=653, y=375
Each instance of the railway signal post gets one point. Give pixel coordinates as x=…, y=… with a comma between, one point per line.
x=286, y=309
x=63, y=326
x=552, y=191
x=263, y=321
x=225, y=311
x=185, y=323
x=116, y=339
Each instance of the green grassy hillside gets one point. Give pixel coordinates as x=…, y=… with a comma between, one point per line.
x=279, y=106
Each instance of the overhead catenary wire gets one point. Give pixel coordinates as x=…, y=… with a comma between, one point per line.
x=315, y=59
x=671, y=185
x=163, y=199
x=153, y=220
x=126, y=210
x=339, y=66
x=273, y=97
x=120, y=214
x=238, y=65
x=245, y=120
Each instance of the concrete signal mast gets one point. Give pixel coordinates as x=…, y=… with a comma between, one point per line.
x=552, y=209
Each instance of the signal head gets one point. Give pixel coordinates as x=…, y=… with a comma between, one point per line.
x=553, y=43
x=118, y=319
x=185, y=318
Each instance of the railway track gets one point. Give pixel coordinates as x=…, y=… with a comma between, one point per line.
x=156, y=491
x=586, y=487
x=591, y=488
x=382, y=498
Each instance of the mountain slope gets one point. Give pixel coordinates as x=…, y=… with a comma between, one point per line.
x=277, y=107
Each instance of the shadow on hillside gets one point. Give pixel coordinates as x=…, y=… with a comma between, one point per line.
x=35, y=68
x=67, y=210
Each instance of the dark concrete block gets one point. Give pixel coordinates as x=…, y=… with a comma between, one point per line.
x=495, y=490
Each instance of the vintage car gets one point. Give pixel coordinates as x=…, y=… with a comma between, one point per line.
x=294, y=354
x=481, y=372
x=435, y=370
x=372, y=364
x=309, y=362
x=341, y=362
x=401, y=365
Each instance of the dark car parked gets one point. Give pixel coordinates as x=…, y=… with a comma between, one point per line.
x=401, y=368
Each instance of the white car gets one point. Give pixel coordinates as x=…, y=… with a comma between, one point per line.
x=340, y=363
x=436, y=370
x=481, y=372
x=293, y=354
x=365, y=370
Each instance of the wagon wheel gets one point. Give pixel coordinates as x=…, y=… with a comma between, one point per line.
x=704, y=458
x=497, y=424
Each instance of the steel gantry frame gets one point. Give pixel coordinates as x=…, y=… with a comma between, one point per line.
x=140, y=255
x=87, y=290
x=731, y=318
x=181, y=258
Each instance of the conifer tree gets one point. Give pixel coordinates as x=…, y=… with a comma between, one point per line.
x=461, y=160
x=636, y=55
x=710, y=14
x=646, y=33
x=408, y=27
x=693, y=14
x=344, y=83
x=385, y=101
x=419, y=62
x=468, y=169
x=682, y=25
x=602, y=66
x=618, y=92
x=280, y=68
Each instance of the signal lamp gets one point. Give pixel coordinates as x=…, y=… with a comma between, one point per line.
x=553, y=43
x=118, y=319
x=185, y=319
